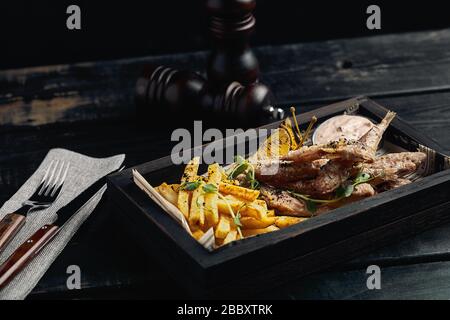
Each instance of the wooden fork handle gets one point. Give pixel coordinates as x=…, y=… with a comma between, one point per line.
x=9, y=226
x=26, y=252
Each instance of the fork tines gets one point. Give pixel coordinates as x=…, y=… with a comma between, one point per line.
x=53, y=179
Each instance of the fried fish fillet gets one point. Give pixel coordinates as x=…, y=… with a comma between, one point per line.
x=394, y=165
x=392, y=184
x=343, y=150
x=361, y=191
x=277, y=172
x=283, y=203
x=330, y=177
x=373, y=137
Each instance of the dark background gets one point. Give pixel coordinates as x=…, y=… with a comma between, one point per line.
x=34, y=32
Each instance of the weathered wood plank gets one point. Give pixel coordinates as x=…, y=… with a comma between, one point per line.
x=415, y=281
x=303, y=73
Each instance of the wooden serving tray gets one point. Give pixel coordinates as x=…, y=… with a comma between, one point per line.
x=258, y=263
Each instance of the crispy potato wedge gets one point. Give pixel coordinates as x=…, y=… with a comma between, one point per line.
x=211, y=211
x=231, y=236
x=261, y=203
x=254, y=232
x=245, y=209
x=196, y=211
x=189, y=175
x=183, y=202
x=198, y=234
x=253, y=223
x=222, y=228
x=286, y=221
x=239, y=192
x=168, y=193
x=271, y=213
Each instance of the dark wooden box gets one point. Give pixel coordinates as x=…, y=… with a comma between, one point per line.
x=259, y=263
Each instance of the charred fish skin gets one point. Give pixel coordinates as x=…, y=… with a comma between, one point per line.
x=331, y=176
x=283, y=203
x=343, y=150
x=395, y=165
x=279, y=172
x=393, y=184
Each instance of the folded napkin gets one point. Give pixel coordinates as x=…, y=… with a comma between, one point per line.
x=83, y=172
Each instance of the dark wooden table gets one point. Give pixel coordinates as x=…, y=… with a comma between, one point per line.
x=88, y=107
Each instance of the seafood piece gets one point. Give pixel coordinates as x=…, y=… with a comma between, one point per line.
x=373, y=137
x=343, y=150
x=363, y=190
x=393, y=165
x=331, y=176
x=284, y=203
x=277, y=171
x=403, y=162
x=389, y=185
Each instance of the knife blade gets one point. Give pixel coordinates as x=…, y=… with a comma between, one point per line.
x=23, y=255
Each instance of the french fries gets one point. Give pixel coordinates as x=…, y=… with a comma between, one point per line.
x=239, y=192
x=168, y=193
x=196, y=211
x=253, y=223
x=211, y=210
x=285, y=221
x=198, y=234
x=254, y=232
x=231, y=236
x=245, y=209
x=222, y=228
x=189, y=175
x=214, y=201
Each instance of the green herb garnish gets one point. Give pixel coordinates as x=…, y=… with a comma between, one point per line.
x=237, y=220
x=241, y=166
x=311, y=206
x=209, y=188
x=344, y=191
x=190, y=185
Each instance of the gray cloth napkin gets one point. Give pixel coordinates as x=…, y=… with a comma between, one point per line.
x=83, y=172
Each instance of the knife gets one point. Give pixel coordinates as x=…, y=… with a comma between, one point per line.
x=34, y=244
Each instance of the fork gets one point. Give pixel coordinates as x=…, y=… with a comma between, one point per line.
x=43, y=197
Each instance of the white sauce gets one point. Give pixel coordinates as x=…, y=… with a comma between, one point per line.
x=339, y=127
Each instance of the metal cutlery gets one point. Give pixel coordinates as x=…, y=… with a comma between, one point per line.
x=43, y=197
x=34, y=244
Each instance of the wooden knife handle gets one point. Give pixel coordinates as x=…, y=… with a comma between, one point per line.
x=26, y=252
x=9, y=226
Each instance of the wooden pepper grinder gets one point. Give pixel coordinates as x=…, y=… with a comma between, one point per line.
x=186, y=95
x=231, y=24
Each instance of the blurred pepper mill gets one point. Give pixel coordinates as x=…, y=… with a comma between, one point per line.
x=231, y=22
x=187, y=95
x=231, y=94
